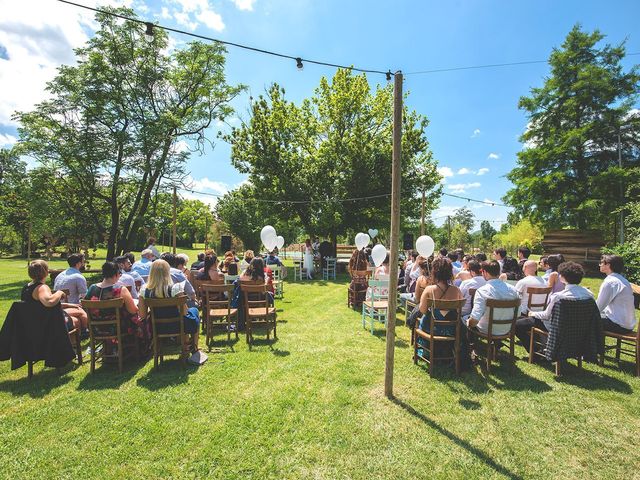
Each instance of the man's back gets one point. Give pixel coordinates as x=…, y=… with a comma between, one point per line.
x=474, y=282
x=71, y=279
x=615, y=301
x=523, y=285
x=496, y=290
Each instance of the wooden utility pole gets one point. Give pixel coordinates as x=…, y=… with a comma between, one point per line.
x=422, y=216
x=175, y=214
x=395, y=233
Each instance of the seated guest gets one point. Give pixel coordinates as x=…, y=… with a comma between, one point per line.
x=229, y=265
x=443, y=252
x=142, y=266
x=481, y=257
x=554, y=280
x=499, y=254
x=126, y=280
x=160, y=285
x=475, y=282
x=210, y=271
x=129, y=260
x=71, y=279
x=458, y=263
x=151, y=245
x=570, y=274
x=510, y=269
x=494, y=289
x=109, y=289
x=177, y=276
x=441, y=288
x=544, y=265
x=256, y=274
x=38, y=291
x=182, y=260
x=384, y=268
x=531, y=279
x=408, y=266
x=272, y=259
x=464, y=273
x=421, y=283
x=197, y=265
x=523, y=256
x=453, y=257
x=246, y=260
x=615, y=298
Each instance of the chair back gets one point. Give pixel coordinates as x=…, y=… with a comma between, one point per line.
x=379, y=289
x=255, y=296
x=230, y=278
x=158, y=307
x=575, y=330
x=446, y=305
x=103, y=314
x=213, y=297
x=502, y=316
x=472, y=294
x=277, y=272
x=538, y=298
x=198, y=286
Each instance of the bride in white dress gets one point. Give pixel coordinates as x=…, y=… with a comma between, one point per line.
x=308, y=259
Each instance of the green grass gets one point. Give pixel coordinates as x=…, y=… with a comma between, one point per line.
x=311, y=405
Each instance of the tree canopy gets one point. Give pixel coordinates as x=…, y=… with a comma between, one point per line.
x=567, y=175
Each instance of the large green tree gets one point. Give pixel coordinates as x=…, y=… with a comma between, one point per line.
x=567, y=175
x=336, y=145
x=114, y=121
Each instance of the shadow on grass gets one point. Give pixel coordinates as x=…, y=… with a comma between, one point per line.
x=170, y=373
x=280, y=353
x=479, y=454
x=42, y=383
x=587, y=379
x=11, y=291
x=106, y=376
x=222, y=345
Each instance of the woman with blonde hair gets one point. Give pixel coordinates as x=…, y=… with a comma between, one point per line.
x=159, y=285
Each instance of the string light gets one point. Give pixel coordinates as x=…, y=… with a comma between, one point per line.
x=299, y=63
x=148, y=34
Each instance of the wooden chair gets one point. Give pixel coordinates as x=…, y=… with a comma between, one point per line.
x=377, y=307
x=626, y=340
x=228, y=279
x=493, y=305
x=432, y=338
x=329, y=268
x=539, y=305
x=217, y=311
x=355, y=297
x=179, y=306
x=258, y=313
x=105, y=325
x=278, y=282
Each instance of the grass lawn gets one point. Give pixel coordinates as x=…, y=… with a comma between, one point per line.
x=311, y=405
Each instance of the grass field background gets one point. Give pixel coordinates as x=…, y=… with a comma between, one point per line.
x=311, y=405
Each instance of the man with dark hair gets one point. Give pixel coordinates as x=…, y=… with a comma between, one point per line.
x=499, y=254
x=199, y=263
x=443, y=252
x=571, y=274
x=475, y=282
x=615, y=298
x=523, y=256
x=494, y=289
x=481, y=257
x=458, y=262
x=126, y=279
x=177, y=276
x=71, y=279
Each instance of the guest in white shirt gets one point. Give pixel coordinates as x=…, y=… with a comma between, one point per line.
x=544, y=265
x=476, y=281
x=499, y=254
x=126, y=279
x=615, y=298
x=494, y=289
x=531, y=279
x=152, y=246
x=571, y=274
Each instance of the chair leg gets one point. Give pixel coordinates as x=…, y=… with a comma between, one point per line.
x=415, y=353
x=489, y=355
x=618, y=347
x=93, y=355
x=155, y=352
x=638, y=359
x=30, y=369
x=580, y=362
x=78, y=347
x=558, y=369
x=120, y=354
x=431, y=356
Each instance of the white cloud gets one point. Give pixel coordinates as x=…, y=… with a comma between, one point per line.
x=244, y=4
x=475, y=133
x=482, y=171
x=462, y=187
x=493, y=156
x=211, y=19
x=445, y=171
x=165, y=13
x=183, y=19
x=7, y=140
x=465, y=171
x=206, y=185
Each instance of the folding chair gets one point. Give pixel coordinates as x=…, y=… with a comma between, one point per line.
x=298, y=270
x=432, y=335
x=501, y=313
x=258, y=313
x=278, y=282
x=105, y=325
x=378, y=306
x=217, y=311
x=329, y=268
x=169, y=312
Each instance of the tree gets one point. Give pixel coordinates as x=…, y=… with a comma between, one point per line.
x=113, y=122
x=239, y=210
x=567, y=175
x=336, y=145
x=486, y=230
x=523, y=233
x=464, y=216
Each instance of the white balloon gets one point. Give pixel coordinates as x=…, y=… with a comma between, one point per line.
x=373, y=232
x=267, y=232
x=362, y=240
x=425, y=245
x=280, y=242
x=378, y=253
x=271, y=243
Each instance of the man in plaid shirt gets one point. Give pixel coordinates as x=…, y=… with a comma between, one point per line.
x=571, y=274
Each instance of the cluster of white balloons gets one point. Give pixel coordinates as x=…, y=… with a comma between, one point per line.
x=425, y=245
x=378, y=252
x=270, y=239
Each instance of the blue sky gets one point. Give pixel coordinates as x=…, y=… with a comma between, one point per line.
x=475, y=122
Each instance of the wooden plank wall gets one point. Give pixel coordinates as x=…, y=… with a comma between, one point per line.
x=581, y=246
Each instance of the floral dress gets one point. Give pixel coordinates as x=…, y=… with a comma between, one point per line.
x=130, y=322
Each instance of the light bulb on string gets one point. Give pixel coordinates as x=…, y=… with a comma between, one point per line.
x=148, y=34
x=299, y=63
